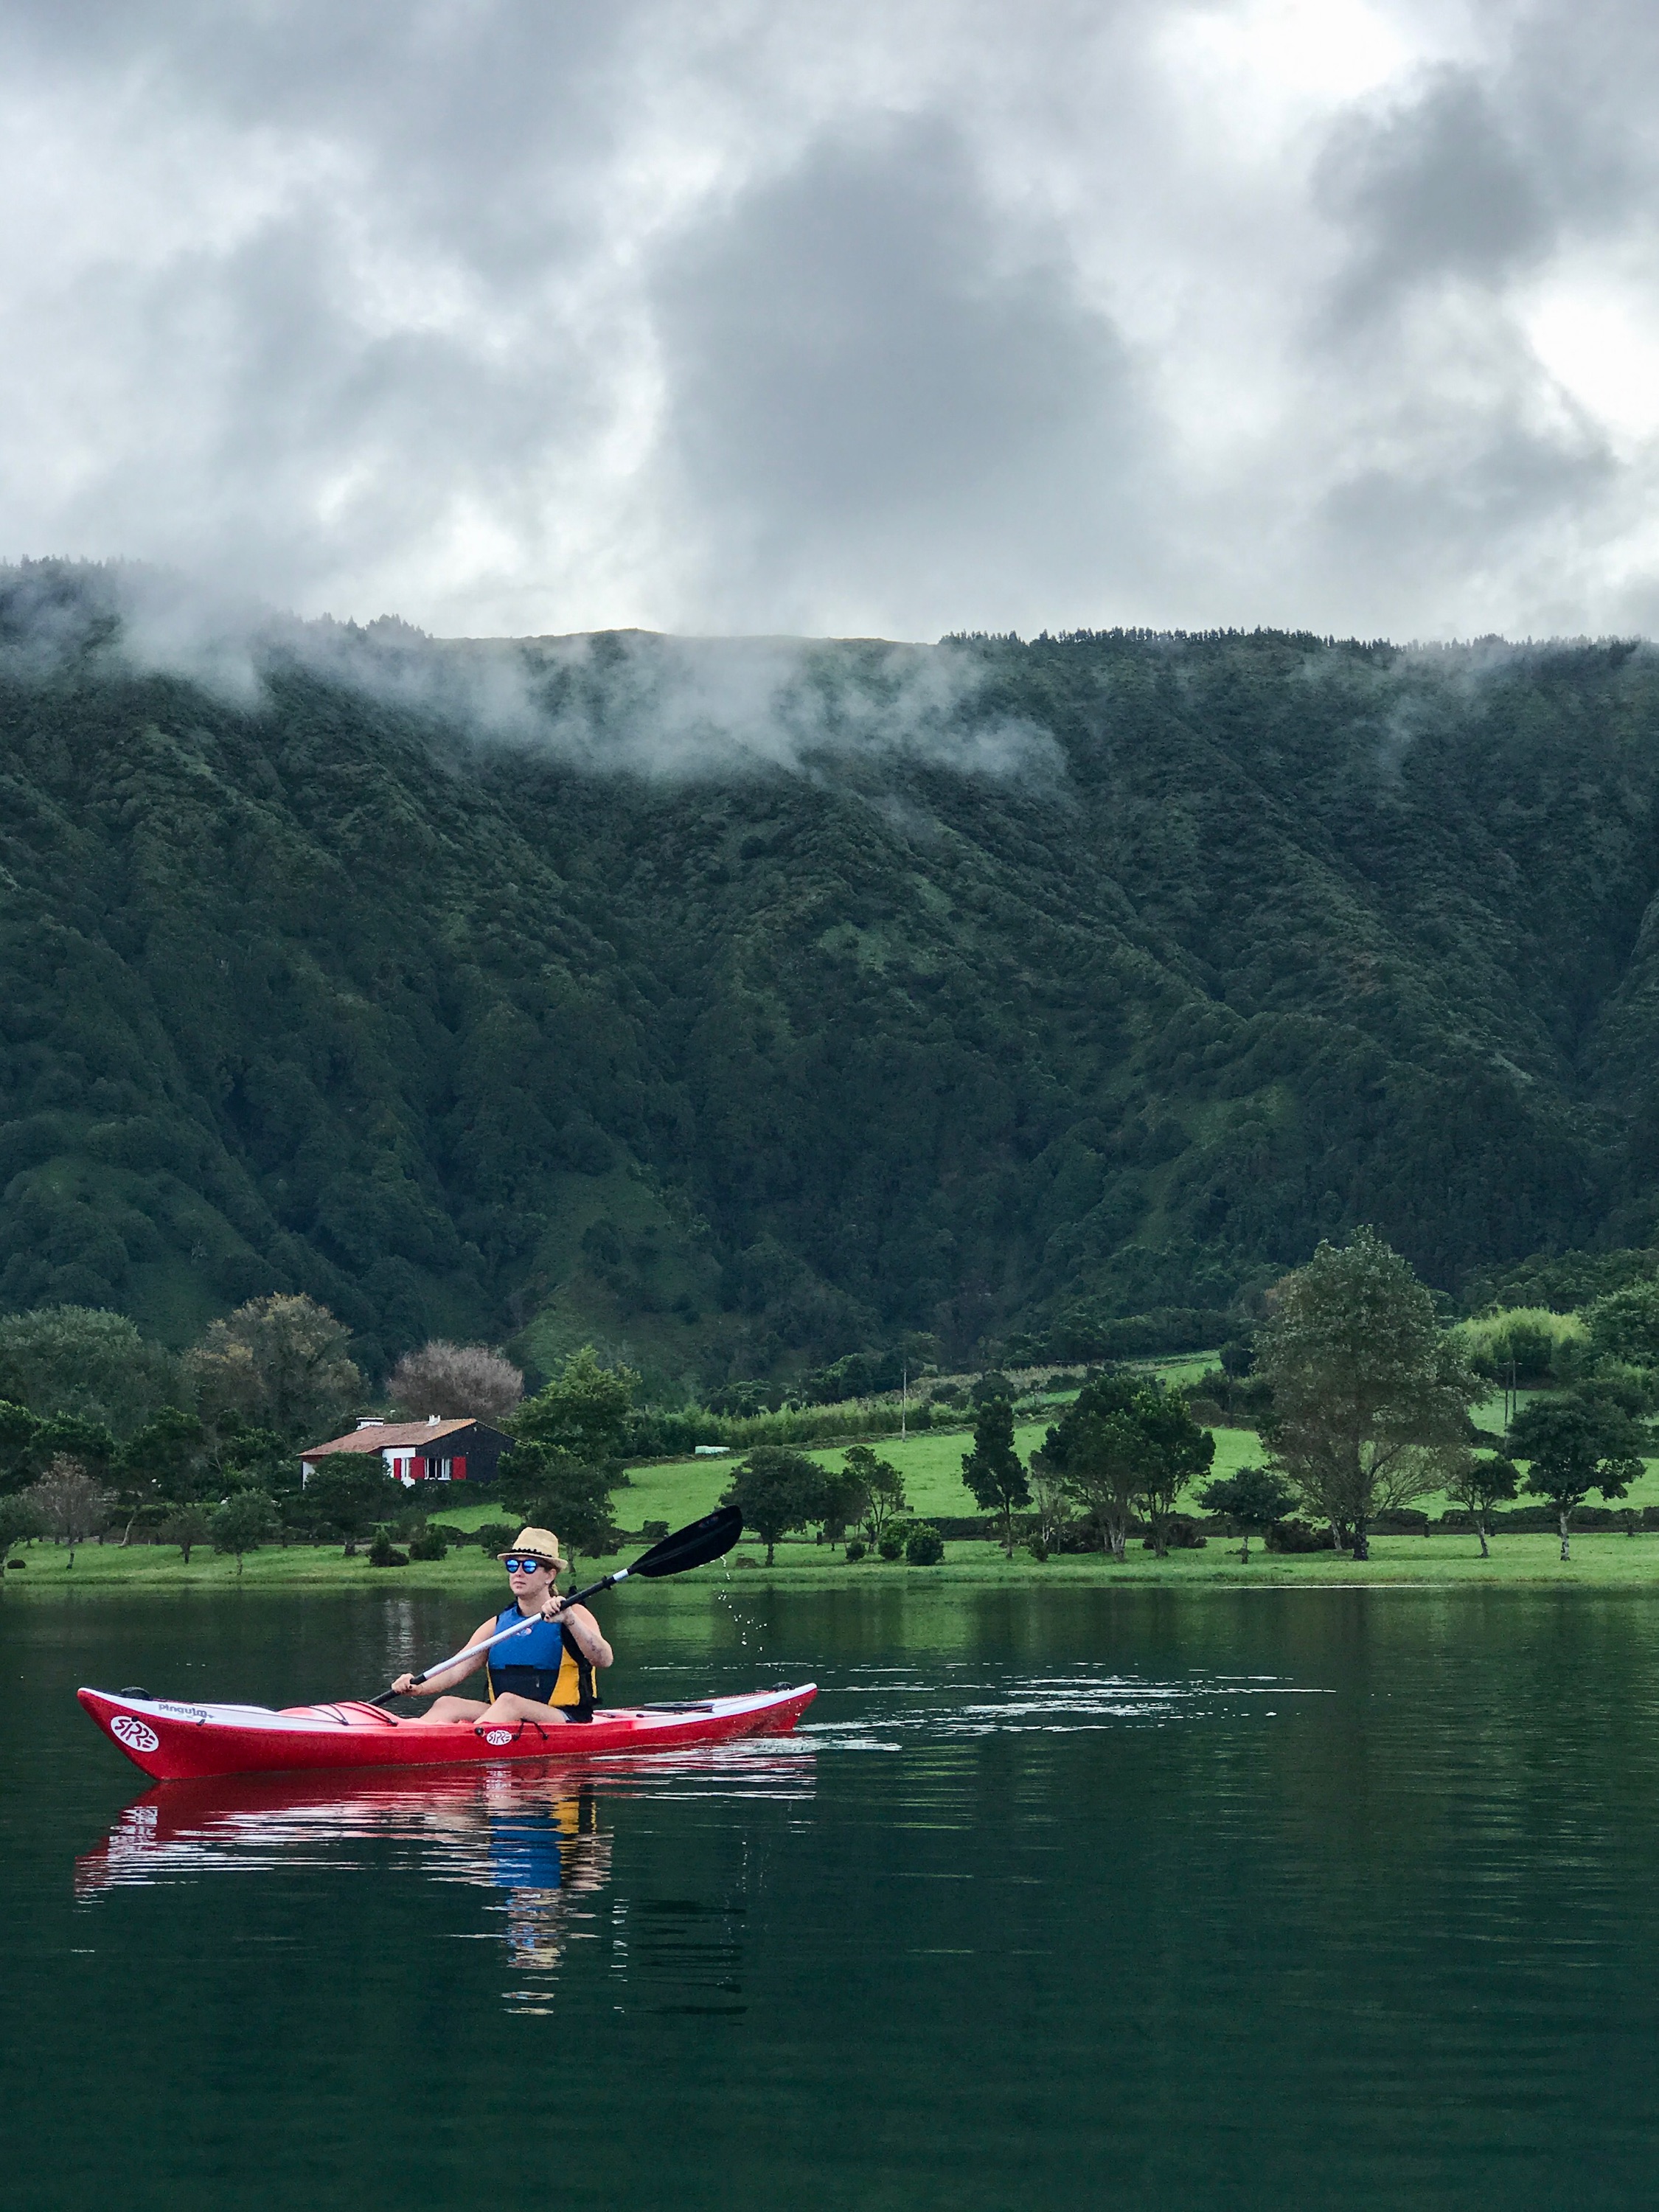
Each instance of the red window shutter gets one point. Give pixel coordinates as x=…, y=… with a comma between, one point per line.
x=458, y=1470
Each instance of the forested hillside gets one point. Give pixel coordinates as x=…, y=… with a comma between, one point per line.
x=1027, y=985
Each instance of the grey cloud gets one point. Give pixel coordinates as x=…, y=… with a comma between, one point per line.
x=756, y=318
x=1436, y=188
x=873, y=367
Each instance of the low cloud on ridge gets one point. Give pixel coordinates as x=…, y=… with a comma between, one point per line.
x=629, y=703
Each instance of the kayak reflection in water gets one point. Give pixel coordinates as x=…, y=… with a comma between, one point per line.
x=544, y=1674
x=532, y=1838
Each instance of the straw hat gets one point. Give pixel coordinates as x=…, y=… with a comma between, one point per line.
x=540, y=1543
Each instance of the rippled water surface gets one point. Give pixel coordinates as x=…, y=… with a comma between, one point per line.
x=1236, y=1899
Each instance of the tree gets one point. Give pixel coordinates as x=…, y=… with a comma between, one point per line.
x=1097, y=1450
x=1177, y=1452
x=557, y=1491
x=164, y=1462
x=1253, y=1499
x=19, y=1520
x=1370, y=1398
x=72, y=1505
x=1576, y=1443
x=80, y=1359
x=582, y=1411
x=1624, y=1324
x=844, y=1500
x=242, y=1524
x=777, y=1490
x=187, y=1527
x=994, y=1470
x=1476, y=1485
x=17, y=1432
x=283, y=1362
x=349, y=1493
x=452, y=1379
x=1054, y=1507
x=883, y=1486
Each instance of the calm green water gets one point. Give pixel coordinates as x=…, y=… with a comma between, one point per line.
x=1260, y=1899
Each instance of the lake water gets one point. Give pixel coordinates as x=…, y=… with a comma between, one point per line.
x=1115, y=1898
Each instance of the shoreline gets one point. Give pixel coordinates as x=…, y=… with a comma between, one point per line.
x=1602, y=1560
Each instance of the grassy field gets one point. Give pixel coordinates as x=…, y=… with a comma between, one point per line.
x=1601, y=1560
x=932, y=1466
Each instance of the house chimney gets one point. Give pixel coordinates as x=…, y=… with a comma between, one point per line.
x=432, y=1419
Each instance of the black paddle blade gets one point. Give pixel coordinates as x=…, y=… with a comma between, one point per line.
x=711, y=1538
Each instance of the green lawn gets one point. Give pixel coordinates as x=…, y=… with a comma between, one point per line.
x=1601, y=1560
x=932, y=1466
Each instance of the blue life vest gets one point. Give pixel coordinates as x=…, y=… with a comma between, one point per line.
x=546, y=1663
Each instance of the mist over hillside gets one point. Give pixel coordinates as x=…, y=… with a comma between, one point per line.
x=742, y=1003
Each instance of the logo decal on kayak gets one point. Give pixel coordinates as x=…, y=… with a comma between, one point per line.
x=137, y=1734
x=491, y=1735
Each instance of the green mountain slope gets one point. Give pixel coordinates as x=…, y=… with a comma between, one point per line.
x=1112, y=978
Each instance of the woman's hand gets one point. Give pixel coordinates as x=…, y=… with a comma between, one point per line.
x=552, y=1605
x=404, y=1685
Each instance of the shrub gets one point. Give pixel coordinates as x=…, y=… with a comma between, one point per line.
x=1038, y=1548
x=891, y=1540
x=856, y=1548
x=1298, y=1536
x=1183, y=1533
x=494, y=1536
x=924, y=1546
x=654, y=1532
x=428, y=1543
x=381, y=1552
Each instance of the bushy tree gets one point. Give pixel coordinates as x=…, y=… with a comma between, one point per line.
x=19, y=1520
x=555, y=1490
x=883, y=1486
x=454, y=1379
x=282, y=1362
x=1097, y=1451
x=777, y=1490
x=1177, y=1451
x=1577, y=1442
x=1254, y=1500
x=582, y=1411
x=71, y=1503
x=1477, y=1483
x=242, y=1524
x=17, y=1432
x=1624, y=1324
x=994, y=1470
x=187, y=1527
x=164, y=1463
x=1370, y=1398
x=82, y=1360
x=349, y=1493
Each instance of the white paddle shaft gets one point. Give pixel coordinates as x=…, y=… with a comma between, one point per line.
x=476, y=1651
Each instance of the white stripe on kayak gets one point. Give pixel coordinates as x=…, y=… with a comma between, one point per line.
x=266, y=1717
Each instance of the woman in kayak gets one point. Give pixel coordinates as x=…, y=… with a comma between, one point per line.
x=544, y=1674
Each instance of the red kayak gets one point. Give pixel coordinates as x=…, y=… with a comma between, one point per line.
x=174, y=1741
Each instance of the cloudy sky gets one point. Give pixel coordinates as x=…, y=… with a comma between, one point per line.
x=884, y=317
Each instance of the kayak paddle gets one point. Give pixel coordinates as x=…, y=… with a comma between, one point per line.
x=694, y=1546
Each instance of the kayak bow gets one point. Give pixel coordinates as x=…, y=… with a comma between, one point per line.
x=172, y=1740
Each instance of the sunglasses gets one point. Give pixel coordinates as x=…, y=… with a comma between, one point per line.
x=525, y=1566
